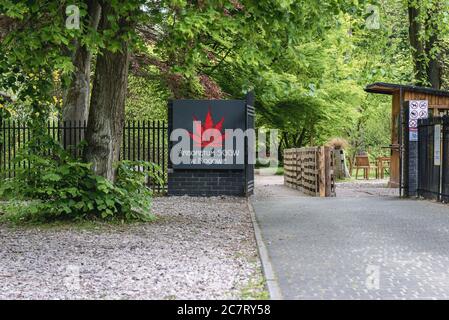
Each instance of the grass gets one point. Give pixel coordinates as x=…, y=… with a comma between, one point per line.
x=256, y=289
x=279, y=171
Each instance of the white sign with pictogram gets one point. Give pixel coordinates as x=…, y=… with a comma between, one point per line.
x=437, y=145
x=418, y=109
x=413, y=124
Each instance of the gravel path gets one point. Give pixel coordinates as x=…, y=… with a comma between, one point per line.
x=200, y=248
x=364, y=188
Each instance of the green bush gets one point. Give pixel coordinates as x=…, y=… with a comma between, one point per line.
x=58, y=187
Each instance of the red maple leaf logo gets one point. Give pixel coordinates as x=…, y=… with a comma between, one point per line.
x=199, y=129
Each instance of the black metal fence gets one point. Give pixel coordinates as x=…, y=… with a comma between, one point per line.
x=433, y=158
x=142, y=141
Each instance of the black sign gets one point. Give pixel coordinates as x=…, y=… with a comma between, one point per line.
x=201, y=136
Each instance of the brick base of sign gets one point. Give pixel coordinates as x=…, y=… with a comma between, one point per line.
x=206, y=183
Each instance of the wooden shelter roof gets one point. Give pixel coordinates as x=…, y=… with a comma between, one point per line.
x=391, y=88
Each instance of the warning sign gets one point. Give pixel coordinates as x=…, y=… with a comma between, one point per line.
x=418, y=109
x=413, y=124
x=413, y=135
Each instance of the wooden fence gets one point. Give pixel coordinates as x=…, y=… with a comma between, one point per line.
x=310, y=170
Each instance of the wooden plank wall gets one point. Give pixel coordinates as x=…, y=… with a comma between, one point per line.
x=435, y=102
x=310, y=170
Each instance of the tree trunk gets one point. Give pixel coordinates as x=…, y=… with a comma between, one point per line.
x=417, y=45
x=107, y=111
x=76, y=97
x=426, y=64
x=434, y=72
x=300, y=140
x=434, y=67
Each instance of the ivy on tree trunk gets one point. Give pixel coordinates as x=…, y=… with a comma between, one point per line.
x=107, y=110
x=76, y=97
x=424, y=39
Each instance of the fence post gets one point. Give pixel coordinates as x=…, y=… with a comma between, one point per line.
x=327, y=169
x=321, y=171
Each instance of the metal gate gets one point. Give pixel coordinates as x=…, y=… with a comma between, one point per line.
x=433, y=161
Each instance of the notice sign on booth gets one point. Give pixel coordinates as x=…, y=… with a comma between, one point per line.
x=437, y=145
x=418, y=109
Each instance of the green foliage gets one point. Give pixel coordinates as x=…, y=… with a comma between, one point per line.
x=146, y=99
x=38, y=28
x=5, y=113
x=429, y=39
x=308, y=61
x=36, y=53
x=58, y=187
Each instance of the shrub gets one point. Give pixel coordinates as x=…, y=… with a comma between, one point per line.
x=338, y=143
x=56, y=186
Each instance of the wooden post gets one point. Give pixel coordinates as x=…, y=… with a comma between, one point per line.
x=321, y=171
x=328, y=173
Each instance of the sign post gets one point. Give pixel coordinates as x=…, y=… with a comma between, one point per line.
x=208, y=149
x=417, y=109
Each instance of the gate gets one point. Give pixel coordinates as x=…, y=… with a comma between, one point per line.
x=433, y=165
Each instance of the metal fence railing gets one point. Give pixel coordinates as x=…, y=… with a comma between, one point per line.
x=145, y=140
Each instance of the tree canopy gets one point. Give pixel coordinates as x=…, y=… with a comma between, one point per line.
x=308, y=61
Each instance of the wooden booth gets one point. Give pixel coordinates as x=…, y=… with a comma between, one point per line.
x=438, y=101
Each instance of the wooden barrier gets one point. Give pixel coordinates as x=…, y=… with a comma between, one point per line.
x=310, y=170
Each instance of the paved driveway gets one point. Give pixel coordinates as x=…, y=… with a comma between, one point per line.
x=355, y=247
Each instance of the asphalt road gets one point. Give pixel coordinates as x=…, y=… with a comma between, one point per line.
x=364, y=247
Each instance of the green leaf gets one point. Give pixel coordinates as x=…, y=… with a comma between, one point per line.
x=51, y=177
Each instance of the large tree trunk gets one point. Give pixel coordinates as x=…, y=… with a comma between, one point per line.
x=434, y=66
x=418, y=52
x=76, y=97
x=426, y=64
x=434, y=70
x=107, y=110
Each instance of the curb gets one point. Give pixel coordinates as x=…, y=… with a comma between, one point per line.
x=267, y=269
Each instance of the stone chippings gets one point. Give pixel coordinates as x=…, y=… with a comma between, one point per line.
x=199, y=248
